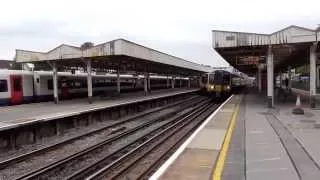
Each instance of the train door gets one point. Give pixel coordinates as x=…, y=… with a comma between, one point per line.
x=65, y=87
x=16, y=89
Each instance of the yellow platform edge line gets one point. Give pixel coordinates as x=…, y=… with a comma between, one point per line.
x=225, y=147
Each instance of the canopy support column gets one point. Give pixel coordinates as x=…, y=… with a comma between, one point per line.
x=270, y=77
x=259, y=79
x=173, y=82
x=149, y=83
x=145, y=84
x=89, y=80
x=55, y=82
x=118, y=82
x=289, y=79
x=313, y=72
x=280, y=79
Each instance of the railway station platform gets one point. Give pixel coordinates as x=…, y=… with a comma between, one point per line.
x=244, y=139
x=27, y=114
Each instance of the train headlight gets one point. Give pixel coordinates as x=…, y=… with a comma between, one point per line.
x=212, y=87
x=228, y=87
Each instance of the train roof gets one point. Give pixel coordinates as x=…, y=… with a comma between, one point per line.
x=15, y=72
x=69, y=74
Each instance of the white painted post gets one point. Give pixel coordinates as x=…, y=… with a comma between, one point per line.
x=149, y=83
x=289, y=78
x=89, y=80
x=173, y=82
x=200, y=81
x=55, y=82
x=118, y=82
x=259, y=79
x=313, y=72
x=145, y=83
x=280, y=79
x=270, y=77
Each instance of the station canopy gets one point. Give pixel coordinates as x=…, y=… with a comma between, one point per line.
x=119, y=54
x=246, y=51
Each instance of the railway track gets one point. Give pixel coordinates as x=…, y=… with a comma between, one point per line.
x=139, y=162
x=60, y=169
x=28, y=155
x=44, y=170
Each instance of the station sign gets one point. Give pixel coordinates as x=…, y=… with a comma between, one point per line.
x=250, y=60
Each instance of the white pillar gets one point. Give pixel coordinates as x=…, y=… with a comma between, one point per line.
x=55, y=82
x=149, y=83
x=313, y=72
x=280, y=79
x=168, y=82
x=89, y=80
x=259, y=79
x=200, y=81
x=172, y=82
x=270, y=77
x=118, y=81
x=145, y=84
x=289, y=78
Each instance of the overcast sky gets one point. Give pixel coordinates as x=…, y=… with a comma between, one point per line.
x=181, y=28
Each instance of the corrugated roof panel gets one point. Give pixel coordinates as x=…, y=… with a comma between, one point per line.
x=116, y=47
x=291, y=34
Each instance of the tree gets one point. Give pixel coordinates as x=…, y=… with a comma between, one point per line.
x=86, y=45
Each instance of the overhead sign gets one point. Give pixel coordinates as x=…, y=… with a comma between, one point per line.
x=250, y=60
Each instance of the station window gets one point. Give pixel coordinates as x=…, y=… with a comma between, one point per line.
x=3, y=85
x=17, y=84
x=50, y=84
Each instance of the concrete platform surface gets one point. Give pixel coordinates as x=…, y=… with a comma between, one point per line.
x=198, y=154
x=266, y=144
x=13, y=116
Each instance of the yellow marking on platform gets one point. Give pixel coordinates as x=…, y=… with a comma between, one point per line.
x=225, y=147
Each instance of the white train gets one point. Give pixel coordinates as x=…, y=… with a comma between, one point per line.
x=17, y=87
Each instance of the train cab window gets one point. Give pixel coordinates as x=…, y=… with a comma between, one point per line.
x=204, y=79
x=218, y=77
x=226, y=79
x=3, y=85
x=50, y=84
x=211, y=78
x=17, y=84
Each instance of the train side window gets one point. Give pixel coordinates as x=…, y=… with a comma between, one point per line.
x=50, y=84
x=17, y=84
x=3, y=86
x=38, y=80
